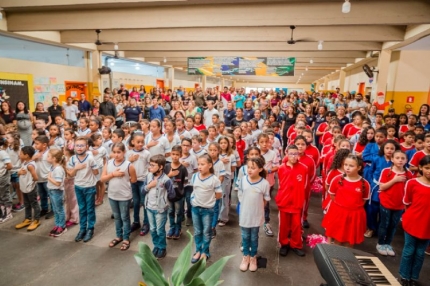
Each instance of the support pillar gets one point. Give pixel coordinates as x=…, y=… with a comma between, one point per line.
x=203, y=82
x=171, y=78
x=382, y=76
x=342, y=75
x=325, y=83
x=94, y=78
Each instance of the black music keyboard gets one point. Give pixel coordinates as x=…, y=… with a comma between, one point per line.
x=340, y=267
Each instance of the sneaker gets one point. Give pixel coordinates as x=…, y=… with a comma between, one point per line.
x=268, y=229
x=80, y=235
x=145, y=230
x=7, y=217
x=368, y=233
x=34, y=224
x=390, y=250
x=427, y=252
x=213, y=233
x=134, y=226
x=189, y=221
x=70, y=223
x=177, y=234
x=49, y=215
x=23, y=224
x=170, y=233
x=298, y=252
x=413, y=282
x=161, y=253
x=51, y=233
x=244, y=264
x=19, y=208
x=222, y=223
x=155, y=251
x=306, y=224
x=284, y=250
x=253, y=264
x=60, y=231
x=381, y=249
x=43, y=212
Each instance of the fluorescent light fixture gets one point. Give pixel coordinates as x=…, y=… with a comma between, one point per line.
x=165, y=60
x=311, y=61
x=346, y=7
x=115, y=47
x=320, y=45
x=306, y=68
x=111, y=64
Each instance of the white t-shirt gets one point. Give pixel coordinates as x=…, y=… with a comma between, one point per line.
x=193, y=132
x=205, y=146
x=83, y=133
x=207, y=121
x=249, y=140
x=71, y=112
x=100, y=156
x=58, y=143
x=175, y=141
x=197, y=154
x=251, y=197
x=271, y=161
x=255, y=134
x=58, y=174
x=43, y=167
x=204, y=191
x=229, y=164
x=141, y=164
x=26, y=183
x=4, y=159
x=14, y=159
x=119, y=188
x=183, y=134
x=355, y=104
x=192, y=161
x=219, y=168
x=84, y=178
x=162, y=147
x=107, y=144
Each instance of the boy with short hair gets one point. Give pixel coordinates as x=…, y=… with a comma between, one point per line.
x=43, y=168
x=159, y=190
x=419, y=145
x=204, y=134
x=424, y=122
x=290, y=201
x=408, y=144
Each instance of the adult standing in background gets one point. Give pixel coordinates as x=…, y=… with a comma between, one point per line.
x=107, y=107
x=71, y=111
x=55, y=109
x=357, y=103
x=119, y=120
x=142, y=91
x=7, y=113
x=24, y=120
x=180, y=91
x=240, y=98
x=41, y=113
x=207, y=115
x=134, y=93
x=248, y=112
x=199, y=97
x=122, y=90
x=156, y=111
x=226, y=94
x=84, y=106
x=132, y=112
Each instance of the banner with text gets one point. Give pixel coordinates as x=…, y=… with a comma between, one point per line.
x=216, y=66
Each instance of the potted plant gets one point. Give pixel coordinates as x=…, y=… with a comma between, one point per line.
x=183, y=274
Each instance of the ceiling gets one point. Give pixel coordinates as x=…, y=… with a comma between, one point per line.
x=177, y=29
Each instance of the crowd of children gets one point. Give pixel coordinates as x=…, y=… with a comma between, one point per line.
x=181, y=170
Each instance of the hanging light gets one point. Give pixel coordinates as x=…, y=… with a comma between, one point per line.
x=115, y=47
x=346, y=7
x=320, y=46
x=306, y=69
x=165, y=60
x=311, y=61
x=137, y=66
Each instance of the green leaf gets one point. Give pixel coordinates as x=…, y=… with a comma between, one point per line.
x=195, y=271
x=182, y=263
x=211, y=275
x=151, y=270
x=197, y=282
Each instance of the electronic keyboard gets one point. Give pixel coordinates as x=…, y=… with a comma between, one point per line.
x=340, y=267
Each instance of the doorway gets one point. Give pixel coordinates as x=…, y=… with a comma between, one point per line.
x=160, y=83
x=361, y=87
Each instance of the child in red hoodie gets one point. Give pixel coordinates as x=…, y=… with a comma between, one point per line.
x=290, y=200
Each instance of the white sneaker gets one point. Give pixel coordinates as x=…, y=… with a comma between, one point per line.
x=268, y=229
x=390, y=250
x=381, y=249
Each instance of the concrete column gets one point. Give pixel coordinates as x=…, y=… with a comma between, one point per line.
x=326, y=79
x=3, y=22
x=203, y=82
x=94, y=78
x=382, y=77
x=342, y=75
x=222, y=84
x=171, y=78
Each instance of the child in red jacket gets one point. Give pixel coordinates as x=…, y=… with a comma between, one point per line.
x=290, y=200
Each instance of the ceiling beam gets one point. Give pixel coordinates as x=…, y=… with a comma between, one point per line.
x=176, y=54
x=275, y=14
x=299, y=60
x=243, y=46
x=371, y=33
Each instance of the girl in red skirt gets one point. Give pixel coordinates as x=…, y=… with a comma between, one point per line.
x=345, y=220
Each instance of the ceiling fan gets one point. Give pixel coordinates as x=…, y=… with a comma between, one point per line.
x=292, y=41
x=99, y=43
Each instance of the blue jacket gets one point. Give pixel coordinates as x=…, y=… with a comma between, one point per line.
x=156, y=113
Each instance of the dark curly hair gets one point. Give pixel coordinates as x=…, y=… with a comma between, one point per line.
x=389, y=141
x=338, y=159
x=362, y=140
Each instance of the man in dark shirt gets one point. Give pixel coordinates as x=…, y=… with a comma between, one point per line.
x=55, y=110
x=84, y=106
x=107, y=107
x=122, y=90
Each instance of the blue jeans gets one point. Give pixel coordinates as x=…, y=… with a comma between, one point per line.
x=87, y=210
x=412, y=257
x=216, y=213
x=157, y=224
x=188, y=191
x=57, y=197
x=372, y=211
x=389, y=219
x=202, y=218
x=42, y=189
x=250, y=240
x=138, y=201
x=176, y=214
x=121, y=214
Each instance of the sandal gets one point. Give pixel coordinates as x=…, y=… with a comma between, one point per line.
x=114, y=242
x=125, y=245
